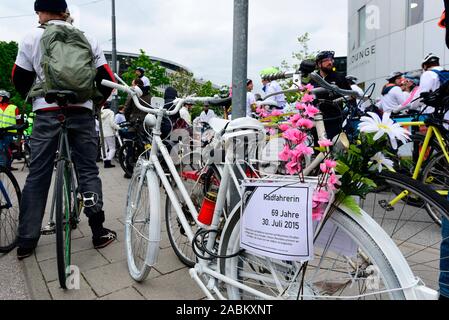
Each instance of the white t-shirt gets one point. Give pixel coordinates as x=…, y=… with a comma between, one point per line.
x=429, y=82
x=120, y=118
x=185, y=115
x=250, y=100
x=207, y=117
x=392, y=100
x=30, y=55
x=274, y=87
x=146, y=81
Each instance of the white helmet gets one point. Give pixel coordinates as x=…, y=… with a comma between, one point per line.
x=4, y=93
x=431, y=58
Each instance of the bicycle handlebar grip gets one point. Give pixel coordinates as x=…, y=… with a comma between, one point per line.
x=318, y=79
x=117, y=86
x=275, y=76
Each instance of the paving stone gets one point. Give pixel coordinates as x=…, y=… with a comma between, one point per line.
x=36, y=284
x=87, y=260
x=125, y=294
x=174, y=286
x=111, y=278
x=49, y=270
x=168, y=262
x=47, y=252
x=84, y=293
x=114, y=252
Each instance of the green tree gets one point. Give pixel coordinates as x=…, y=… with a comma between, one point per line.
x=153, y=71
x=8, y=54
x=184, y=82
x=302, y=54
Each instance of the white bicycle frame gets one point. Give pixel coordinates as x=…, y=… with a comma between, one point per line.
x=152, y=169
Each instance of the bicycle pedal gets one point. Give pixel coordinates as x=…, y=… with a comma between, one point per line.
x=48, y=230
x=386, y=206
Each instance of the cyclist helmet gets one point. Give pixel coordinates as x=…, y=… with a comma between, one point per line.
x=430, y=59
x=269, y=71
x=324, y=55
x=352, y=79
x=5, y=94
x=140, y=69
x=392, y=77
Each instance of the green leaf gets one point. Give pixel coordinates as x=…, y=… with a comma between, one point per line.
x=351, y=204
x=342, y=168
x=370, y=183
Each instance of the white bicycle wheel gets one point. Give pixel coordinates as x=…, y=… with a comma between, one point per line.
x=368, y=274
x=142, y=205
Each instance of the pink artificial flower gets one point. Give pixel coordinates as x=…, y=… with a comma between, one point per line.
x=301, y=150
x=309, y=87
x=284, y=127
x=305, y=123
x=311, y=111
x=295, y=118
x=276, y=113
x=325, y=143
x=300, y=106
x=307, y=98
x=321, y=196
x=318, y=213
x=331, y=164
x=286, y=154
x=293, y=168
x=295, y=136
x=334, y=181
x=324, y=168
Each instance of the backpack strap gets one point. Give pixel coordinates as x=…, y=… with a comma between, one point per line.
x=386, y=90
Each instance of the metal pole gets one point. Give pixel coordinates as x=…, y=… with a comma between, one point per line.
x=239, y=75
x=114, y=106
x=240, y=59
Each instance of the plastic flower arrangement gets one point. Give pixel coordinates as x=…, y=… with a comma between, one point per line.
x=372, y=154
x=346, y=174
x=296, y=128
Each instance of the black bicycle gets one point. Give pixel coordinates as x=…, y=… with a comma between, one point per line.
x=67, y=202
x=10, y=194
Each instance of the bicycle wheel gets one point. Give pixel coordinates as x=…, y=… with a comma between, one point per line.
x=176, y=234
x=333, y=274
x=27, y=154
x=10, y=197
x=142, y=201
x=63, y=212
x=125, y=160
x=436, y=176
x=416, y=234
x=408, y=154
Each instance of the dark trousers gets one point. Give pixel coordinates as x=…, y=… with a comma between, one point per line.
x=44, y=144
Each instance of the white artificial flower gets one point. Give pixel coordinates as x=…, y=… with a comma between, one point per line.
x=374, y=124
x=381, y=161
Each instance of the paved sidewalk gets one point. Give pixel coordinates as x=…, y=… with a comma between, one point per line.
x=104, y=273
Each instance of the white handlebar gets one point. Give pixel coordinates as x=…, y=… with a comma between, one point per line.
x=179, y=102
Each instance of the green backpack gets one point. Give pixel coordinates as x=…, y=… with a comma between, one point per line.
x=68, y=63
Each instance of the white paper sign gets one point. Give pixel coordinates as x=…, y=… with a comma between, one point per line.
x=276, y=220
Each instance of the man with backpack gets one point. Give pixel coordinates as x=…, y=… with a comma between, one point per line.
x=57, y=56
x=432, y=79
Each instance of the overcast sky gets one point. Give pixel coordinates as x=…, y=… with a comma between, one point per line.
x=198, y=33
